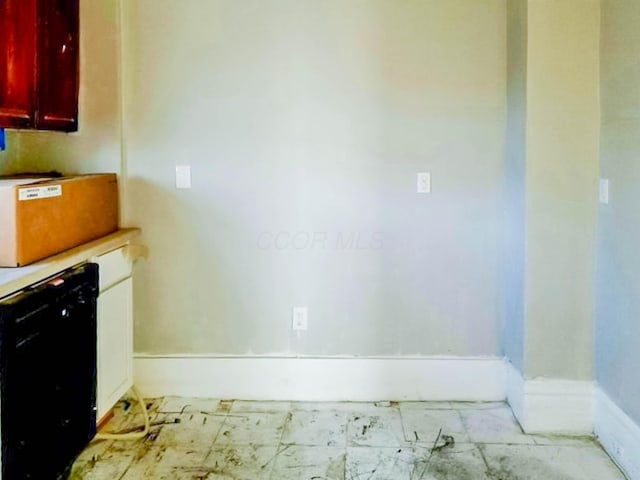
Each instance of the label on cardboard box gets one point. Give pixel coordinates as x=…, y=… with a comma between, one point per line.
x=33, y=193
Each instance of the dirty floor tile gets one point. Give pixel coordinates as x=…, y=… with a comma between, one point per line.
x=458, y=462
x=242, y=440
x=241, y=406
x=191, y=430
x=263, y=428
x=296, y=462
x=381, y=428
x=316, y=428
x=240, y=462
x=188, y=405
x=108, y=469
x=125, y=416
x=523, y=462
x=423, y=426
x=493, y=425
x=167, y=462
x=426, y=405
x=97, y=462
x=94, y=451
x=386, y=463
x=572, y=440
x=477, y=405
x=340, y=406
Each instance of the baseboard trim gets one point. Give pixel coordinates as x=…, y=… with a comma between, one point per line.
x=545, y=405
x=322, y=379
x=618, y=434
x=515, y=392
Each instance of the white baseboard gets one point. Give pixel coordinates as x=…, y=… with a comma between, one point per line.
x=322, y=379
x=515, y=391
x=545, y=405
x=618, y=434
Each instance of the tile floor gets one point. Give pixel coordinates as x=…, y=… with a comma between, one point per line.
x=195, y=439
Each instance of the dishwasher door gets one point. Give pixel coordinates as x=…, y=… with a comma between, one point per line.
x=48, y=375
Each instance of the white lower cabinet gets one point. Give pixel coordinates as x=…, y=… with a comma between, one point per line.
x=115, y=331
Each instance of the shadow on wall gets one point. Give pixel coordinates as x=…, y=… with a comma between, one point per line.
x=8, y=156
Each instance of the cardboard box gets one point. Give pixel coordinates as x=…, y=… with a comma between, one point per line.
x=40, y=217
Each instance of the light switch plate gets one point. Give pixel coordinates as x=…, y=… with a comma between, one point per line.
x=424, y=182
x=604, y=191
x=299, y=318
x=183, y=176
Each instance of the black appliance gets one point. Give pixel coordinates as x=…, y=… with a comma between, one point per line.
x=48, y=375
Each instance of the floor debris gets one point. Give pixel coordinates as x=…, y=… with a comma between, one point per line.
x=207, y=439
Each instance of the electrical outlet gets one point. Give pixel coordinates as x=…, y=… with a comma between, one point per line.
x=424, y=182
x=299, y=318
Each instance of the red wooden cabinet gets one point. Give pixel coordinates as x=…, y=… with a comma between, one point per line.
x=18, y=67
x=39, y=61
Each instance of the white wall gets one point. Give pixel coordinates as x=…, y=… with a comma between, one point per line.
x=313, y=118
x=618, y=305
x=515, y=167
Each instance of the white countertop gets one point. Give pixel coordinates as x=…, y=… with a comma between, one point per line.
x=15, y=279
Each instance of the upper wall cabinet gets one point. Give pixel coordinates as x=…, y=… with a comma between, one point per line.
x=39, y=60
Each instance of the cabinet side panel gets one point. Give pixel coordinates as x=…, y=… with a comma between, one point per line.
x=115, y=344
x=8, y=227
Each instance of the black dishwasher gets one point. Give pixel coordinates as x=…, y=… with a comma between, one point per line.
x=48, y=375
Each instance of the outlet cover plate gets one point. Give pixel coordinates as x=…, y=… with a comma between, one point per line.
x=299, y=318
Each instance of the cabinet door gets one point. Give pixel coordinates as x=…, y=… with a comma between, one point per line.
x=115, y=344
x=58, y=65
x=18, y=58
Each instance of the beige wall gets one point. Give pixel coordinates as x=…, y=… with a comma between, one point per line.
x=9, y=157
x=313, y=118
x=561, y=186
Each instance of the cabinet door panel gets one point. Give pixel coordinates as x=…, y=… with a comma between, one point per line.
x=115, y=344
x=58, y=65
x=18, y=58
